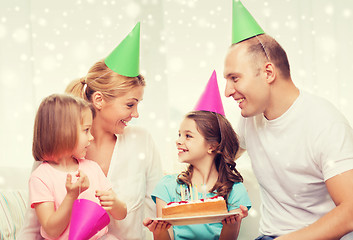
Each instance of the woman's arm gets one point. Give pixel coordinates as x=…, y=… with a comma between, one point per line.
x=112, y=204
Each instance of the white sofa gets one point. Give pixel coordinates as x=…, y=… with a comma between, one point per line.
x=14, y=199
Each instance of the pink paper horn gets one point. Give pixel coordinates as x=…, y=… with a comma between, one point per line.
x=210, y=99
x=87, y=219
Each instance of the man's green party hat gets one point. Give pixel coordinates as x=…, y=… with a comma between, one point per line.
x=244, y=25
x=125, y=58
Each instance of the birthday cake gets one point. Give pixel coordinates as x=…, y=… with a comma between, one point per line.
x=209, y=206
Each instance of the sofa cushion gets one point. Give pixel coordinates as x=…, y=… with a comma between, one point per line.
x=13, y=205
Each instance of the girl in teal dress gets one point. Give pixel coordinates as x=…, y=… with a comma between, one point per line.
x=208, y=144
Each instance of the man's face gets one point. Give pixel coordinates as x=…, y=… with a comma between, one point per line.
x=246, y=81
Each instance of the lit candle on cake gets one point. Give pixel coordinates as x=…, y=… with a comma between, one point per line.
x=192, y=198
x=204, y=191
x=182, y=193
x=196, y=193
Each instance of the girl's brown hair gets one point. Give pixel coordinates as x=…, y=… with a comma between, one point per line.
x=56, y=126
x=217, y=131
x=103, y=79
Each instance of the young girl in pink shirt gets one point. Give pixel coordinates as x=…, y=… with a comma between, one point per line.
x=61, y=137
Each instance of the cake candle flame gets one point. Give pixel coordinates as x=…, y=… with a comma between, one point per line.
x=196, y=193
x=182, y=193
x=192, y=198
x=204, y=191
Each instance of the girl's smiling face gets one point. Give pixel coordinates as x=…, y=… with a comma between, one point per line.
x=191, y=145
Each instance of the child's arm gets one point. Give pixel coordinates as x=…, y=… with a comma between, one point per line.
x=112, y=204
x=54, y=222
x=231, y=225
x=161, y=229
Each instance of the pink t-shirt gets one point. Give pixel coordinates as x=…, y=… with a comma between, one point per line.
x=47, y=184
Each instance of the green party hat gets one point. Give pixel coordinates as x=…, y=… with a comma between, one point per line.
x=244, y=25
x=125, y=58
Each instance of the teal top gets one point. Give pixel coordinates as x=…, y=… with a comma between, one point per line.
x=168, y=190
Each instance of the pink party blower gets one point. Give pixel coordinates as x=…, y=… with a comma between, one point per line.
x=87, y=219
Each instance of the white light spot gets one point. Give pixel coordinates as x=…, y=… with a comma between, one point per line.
x=142, y=156
x=158, y=78
x=20, y=35
x=347, y=13
x=2, y=180
x=24, y=57
x=329, y=9
x=133, y=10
x=152, y=115
x=2, y=31
x=275, y=25
x=175, y=64
x=42, y=22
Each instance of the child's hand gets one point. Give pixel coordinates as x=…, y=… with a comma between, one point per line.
x=156, y=226
x=81, y=185
x=106, y=198
x=232, y=219
x=112, y=204
x=243, y=212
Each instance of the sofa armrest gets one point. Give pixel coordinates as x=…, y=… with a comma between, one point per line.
x=13, y=204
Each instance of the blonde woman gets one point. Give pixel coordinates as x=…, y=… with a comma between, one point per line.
x=126, y=154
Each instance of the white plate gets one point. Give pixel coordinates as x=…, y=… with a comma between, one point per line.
x=197, y=219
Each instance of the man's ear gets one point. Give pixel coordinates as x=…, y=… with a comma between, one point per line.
x=270, y=71
x=97, y=100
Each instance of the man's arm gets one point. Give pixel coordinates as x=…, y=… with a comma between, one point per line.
x=339, y=221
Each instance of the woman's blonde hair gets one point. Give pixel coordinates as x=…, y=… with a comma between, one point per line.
x=56, y=126
x=103, y=79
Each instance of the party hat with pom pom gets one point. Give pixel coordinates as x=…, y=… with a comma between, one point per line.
x=210, y=99
x=125, y=58
x=244, y=25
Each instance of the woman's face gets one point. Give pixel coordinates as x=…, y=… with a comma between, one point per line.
x=117, y=113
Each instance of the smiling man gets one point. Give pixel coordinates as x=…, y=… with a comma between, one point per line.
x=300, y=146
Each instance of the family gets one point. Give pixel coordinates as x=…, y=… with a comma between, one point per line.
x=300, y=147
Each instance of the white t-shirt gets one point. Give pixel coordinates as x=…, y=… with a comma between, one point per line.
x=134, y=171
x=292, y=157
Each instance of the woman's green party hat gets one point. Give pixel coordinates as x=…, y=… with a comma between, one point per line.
x=244, y=25
x=125, y=58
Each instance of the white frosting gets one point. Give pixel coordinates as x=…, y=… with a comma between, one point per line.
x=218, y=198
